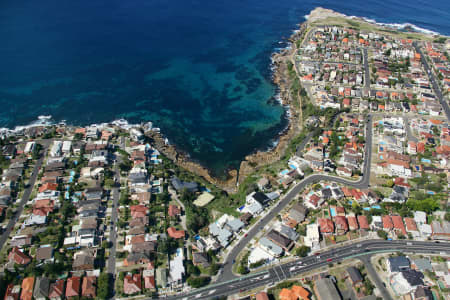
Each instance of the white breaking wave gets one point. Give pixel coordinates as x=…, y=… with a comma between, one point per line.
x=398, y=26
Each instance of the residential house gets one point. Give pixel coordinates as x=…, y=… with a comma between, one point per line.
x=397, y=264
x=200, y=258
x=176, y=234
x=280, y=240
x=57, y=290
x=354, y=276
x=27, y=288
x=84, y=260
x=441, y=230
x=12, y=292
x=44, y=254
x=73, y=287
x=326, y=226
x=406, y=281
x=325, y=289
x=18, y=257
x=149, y=279
x=41, y=288
x=132, y=284
x=88, y=288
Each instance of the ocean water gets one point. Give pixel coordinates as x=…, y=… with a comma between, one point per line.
x=200, y=70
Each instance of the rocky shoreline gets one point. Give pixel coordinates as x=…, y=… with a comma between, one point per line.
x=259, y=158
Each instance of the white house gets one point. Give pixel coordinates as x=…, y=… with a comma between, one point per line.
x=29, y=147
x=312, y=236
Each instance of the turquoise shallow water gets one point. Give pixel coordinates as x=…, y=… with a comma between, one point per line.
x=199, y=70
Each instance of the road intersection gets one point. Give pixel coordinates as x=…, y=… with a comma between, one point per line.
x=294, y=268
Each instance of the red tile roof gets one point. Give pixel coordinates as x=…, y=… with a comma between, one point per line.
x=410, y=224
x=73, y=286
x=88, y=287
x=387, y=222
x=174, y=210
x=398, y=223
x=9, y=295
x=149, y=282
x=326, y=225
x=341, y=223
x=49, y=186
x=57, y=289
x=176, y=234
x=27, y=288
x=363, y=223
x=132, y=284
x=352, y=223
x=18, y=257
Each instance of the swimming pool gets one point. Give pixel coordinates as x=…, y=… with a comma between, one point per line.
x=284, y=172
x=332, y=211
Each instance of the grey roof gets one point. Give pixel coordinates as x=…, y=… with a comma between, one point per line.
x=180, y=185
x=235, y=224
x=200, y=258
x=355, y=274
x=161, y=277
x=261, y=198
x=265, y=242
x=44, y=253
x=326, y=289
x=423, y=293
x=413, y=277
x=221, y=234
x=136, y=257
x=298, y=212
x=279, y=239
x=144, y=247
x=254, y=208
x=423, y=264
x=41, y=287
x=398, y=263
x=288, y=232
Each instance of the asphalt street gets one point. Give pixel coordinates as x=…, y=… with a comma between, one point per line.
x=284, y=271
x=363, y=183
x=436, y=88
x=26, y=194
x=366, y=71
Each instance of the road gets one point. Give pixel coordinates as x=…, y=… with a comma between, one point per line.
x=409, y=135
x=227, y=273
x=294, y=268
x=436, y=88
x=374, y=277
x=26, y=194
x=111, y=264
x=366, y=72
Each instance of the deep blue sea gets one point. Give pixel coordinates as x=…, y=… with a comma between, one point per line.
x=200, y=70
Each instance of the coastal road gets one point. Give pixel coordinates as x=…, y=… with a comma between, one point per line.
x=436, y=88
x=296, y=267
x=227, y=273
x=26, y=195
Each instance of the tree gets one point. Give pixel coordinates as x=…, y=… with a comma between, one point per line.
x=302, y=251
x=447, y=216
x=197, y=282
x=106, y=244
x=382, y=234
x=193, y=270
x=213, y=269
x=103, y=290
